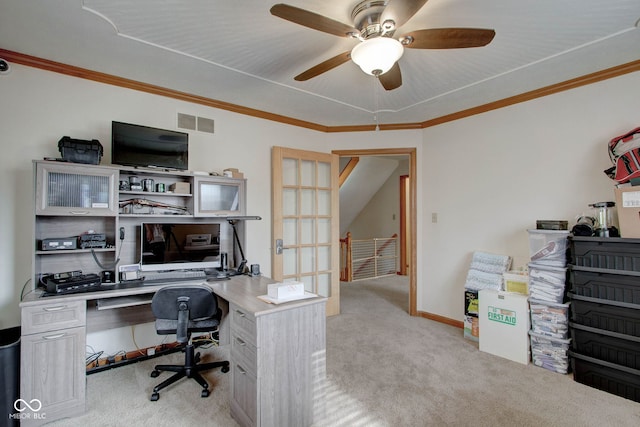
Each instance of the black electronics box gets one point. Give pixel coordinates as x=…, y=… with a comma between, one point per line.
x=74, y=284
x=59, y=243
x=93, y=240
x=80, y=151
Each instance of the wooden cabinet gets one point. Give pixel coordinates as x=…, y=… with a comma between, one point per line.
x=72, y=200
x=52, y=359
x=270, y=386
x=75, y=190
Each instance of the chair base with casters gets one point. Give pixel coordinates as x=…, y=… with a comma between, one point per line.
x=190, y=369
x=181, y=310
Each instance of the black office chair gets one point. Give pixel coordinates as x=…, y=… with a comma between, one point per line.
x=182, y=310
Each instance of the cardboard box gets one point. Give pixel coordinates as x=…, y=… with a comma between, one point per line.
x=180, y=188
x=233, y=173
x=471, y=329
x=628, y=207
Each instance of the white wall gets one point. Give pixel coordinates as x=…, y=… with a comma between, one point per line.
x=489, y=177
x=381, y=215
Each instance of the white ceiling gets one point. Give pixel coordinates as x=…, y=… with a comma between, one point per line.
x=237, y=52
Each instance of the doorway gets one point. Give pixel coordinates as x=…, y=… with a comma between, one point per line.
x=411, y=215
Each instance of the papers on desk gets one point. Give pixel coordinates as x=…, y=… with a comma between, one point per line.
x=270, y=300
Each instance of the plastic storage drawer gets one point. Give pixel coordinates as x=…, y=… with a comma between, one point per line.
x=611, y=285
x=547, y=283
x=620, y=317
x=549, y=319
x=612, y=253
x=609, y=346
x=550, y=353
x=606, y=376
x=548, y=247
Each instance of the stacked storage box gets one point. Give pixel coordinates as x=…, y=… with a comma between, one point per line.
x=547, y=288
x=605, y=314
x=485, y=272
x=549, y=333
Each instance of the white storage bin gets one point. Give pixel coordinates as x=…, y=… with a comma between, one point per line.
x=548, y=247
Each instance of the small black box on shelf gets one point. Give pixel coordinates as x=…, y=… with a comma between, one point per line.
x=80, y=151
x=606, y=376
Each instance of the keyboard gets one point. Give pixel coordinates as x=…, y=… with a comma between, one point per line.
x=173, y=275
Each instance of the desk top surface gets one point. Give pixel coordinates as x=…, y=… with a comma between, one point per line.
x=240, y=290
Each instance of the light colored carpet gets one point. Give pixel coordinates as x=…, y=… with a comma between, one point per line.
x=384, y=368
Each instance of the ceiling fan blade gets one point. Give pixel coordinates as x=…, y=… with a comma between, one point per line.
x=312, y=20
x=392, y=79
x=400, y=11
x=323, y=67
x=449, y=38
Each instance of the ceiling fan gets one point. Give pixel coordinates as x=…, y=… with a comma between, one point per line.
x=374, y=25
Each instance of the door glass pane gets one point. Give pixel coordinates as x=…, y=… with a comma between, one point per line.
x=324, y=258
x=308, y=231
x=289, y=201
x=308, y=202
x=324, y=174
x=307, y=260
x=289, y=232
x=309, y=283
x=290, y=261
x=308, y=173
x=290, y=171
x=324, y=202
x=324, y=230
x=324, y=285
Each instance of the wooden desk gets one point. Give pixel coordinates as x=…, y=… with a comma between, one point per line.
x=277, y=355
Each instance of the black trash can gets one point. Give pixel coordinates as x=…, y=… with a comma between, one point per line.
x=9, y=374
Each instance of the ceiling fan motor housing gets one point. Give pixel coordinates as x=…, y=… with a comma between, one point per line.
x=366, y=18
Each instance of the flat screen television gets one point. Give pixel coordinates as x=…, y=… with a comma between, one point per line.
x=179, y=246
x=144, y=146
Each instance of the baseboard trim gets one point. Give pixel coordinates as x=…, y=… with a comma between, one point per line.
x=441, y=319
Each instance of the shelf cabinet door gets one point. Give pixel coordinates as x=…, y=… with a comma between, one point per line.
x=219, y=196
x=52, y=371
x=75, y=190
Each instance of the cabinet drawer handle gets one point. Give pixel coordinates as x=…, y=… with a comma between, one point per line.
x=56, y=308
x=79, y=212
x=241, y=341
x=242, y=371
x=53, y=337
x=240, y=313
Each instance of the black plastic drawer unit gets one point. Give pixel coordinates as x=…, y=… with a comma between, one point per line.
x=613, y=253
x=613, y=285
x=604, y=345
x=606, y=376
x=620, y=317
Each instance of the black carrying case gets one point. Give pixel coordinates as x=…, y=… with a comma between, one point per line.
x=80, y=150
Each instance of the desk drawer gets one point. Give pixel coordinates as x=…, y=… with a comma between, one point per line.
x=243, y=349
x=53, y=316
x=243, y=320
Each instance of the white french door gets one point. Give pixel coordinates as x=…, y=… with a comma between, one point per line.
x=306, y=236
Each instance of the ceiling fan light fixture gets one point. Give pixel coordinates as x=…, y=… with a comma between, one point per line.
x=377, y=55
